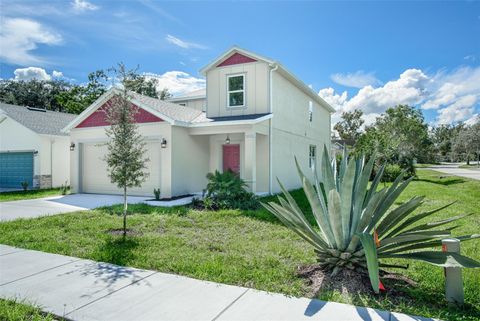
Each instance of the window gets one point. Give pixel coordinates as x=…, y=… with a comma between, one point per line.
x=312, y=157
x=236, y=90
x=310, y=111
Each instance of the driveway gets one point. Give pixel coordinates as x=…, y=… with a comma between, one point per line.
x=59, y=204
x=453, y=169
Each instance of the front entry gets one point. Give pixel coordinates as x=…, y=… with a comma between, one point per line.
x=231, y=158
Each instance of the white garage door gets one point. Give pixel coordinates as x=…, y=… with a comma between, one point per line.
x=95, y=177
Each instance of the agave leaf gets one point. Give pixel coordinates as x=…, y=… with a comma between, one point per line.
x=398, y=214
x=335, y=216
x=435, y=224
x=372, y=261
x=319, y=211
x=416, y=218
x=392, y=194
x=423, y=245
x=343, y=164
x=327, y=173
x=346, y=195
x=443, y=259
x=360, y=194
x=415, y=237
x=374, y=185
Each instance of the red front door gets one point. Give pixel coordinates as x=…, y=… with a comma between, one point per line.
x=231, y=158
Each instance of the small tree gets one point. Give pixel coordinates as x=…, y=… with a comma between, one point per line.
x=349, y=128
x=126, y=148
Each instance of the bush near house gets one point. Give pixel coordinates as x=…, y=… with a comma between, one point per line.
x=227, y=191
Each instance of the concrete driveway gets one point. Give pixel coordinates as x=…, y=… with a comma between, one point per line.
x=59, y=204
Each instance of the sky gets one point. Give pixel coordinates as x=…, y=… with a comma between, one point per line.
x=367, y=55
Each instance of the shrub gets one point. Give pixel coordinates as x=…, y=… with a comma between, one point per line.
x=355, y=226
x=65, y=188
x=24, y=185
x=227, y=191
x=156, y=192
x=391, y=172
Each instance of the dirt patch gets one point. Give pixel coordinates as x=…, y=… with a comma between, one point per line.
x=351, y=282
x=119, y=231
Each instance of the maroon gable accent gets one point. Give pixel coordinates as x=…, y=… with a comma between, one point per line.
x=98, y=118
x=236, y=59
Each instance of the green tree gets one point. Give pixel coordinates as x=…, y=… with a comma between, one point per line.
x=349, y=128
x=399, y=136
x=140, y=83
x=126, y=161
x=467, y=142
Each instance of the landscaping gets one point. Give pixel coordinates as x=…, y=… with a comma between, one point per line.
x=12, y=310
x=253, y=249
x=29, y=194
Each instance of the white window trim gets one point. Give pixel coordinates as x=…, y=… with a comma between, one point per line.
x=237, y=91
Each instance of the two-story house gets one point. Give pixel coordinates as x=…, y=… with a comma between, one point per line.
x=253, y=118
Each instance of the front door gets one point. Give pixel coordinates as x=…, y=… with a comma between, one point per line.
x=231, y=158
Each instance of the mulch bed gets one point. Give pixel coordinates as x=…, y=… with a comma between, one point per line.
x=352, y=282
x=171, y=198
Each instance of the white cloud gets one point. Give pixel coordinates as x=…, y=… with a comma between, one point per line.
x=454, y=95
x=37, y=73
x=177, y=82
x=30, y=73
x=356, y=79
x=57, y=74
x=83, y=5
x=19, y=37
x=183, y=44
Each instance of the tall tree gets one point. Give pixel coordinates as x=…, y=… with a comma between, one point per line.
x=467, y=142
x=349, y=128
x=399, y=136
x=125, y=159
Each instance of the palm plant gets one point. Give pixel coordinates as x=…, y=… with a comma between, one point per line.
x=356, y=225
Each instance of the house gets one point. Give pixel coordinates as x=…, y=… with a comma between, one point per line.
x=33, y=148
x=254, y=118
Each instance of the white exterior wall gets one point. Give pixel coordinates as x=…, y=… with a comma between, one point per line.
x=198, y=104
x=293, y=133
x=152, y=132
x=190, y=161
x=257, y=89
x=53, y=156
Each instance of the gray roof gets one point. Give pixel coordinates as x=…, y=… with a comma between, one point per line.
x=174, y=111
x=38, y=120
x=196, y=94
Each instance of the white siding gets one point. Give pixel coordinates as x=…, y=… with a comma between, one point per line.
x=256, y=82
x=293, y=133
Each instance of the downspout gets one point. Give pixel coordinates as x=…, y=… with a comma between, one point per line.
x=270, y=132
x=51, y=162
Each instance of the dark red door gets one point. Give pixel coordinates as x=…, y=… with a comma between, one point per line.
x=231, y=158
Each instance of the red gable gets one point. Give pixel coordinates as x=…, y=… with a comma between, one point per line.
x=99, y=118
x=236, y=59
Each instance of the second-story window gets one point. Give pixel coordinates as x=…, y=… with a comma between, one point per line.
x=310, y=111
x=236, y=90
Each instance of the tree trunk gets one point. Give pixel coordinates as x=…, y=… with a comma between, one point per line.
x=125, y=205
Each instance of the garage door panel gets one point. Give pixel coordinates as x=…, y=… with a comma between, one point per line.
x=15, y=168
x=95, y=174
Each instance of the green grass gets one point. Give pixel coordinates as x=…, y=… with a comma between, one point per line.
x=29, y=194
x=13, y=310
x=249, y=248
x=423, y=165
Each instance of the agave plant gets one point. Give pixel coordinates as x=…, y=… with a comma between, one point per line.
x=357, y=225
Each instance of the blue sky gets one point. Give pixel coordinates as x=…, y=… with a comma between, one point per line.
x=366, y=55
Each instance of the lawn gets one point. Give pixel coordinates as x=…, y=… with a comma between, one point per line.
x=17, y=311
x=249, y=248
x=29, y=194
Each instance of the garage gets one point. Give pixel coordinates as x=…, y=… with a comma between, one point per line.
x=95, y=175
x=15, y=168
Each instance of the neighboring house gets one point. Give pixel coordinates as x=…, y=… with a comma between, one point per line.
x=33, y=148
x=257, y=117
x=195, y=99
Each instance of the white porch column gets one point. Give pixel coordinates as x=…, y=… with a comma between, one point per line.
x=251, y=160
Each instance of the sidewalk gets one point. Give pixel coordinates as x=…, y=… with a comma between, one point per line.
x=453, y=169
x=86, y=290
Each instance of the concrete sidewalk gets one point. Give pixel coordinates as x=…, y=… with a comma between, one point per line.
x=86, y=290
